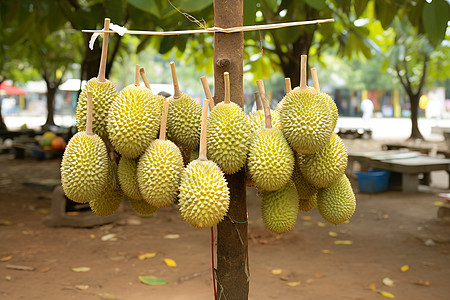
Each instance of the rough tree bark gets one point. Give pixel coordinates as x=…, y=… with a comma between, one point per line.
x=232, y=241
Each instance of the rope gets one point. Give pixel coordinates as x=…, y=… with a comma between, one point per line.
x=219, y=29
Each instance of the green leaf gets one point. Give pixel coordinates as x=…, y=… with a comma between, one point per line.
x=167, y=43
x=191, y=5
x=434, y=17
x=272, y=4
x=360, y=6
x=250, y=12
x=385, y=12
x=317, y=4
x=152, y=280
x=147, y=6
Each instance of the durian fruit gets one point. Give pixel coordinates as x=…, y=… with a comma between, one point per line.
x=257, y=118
x=84, y=166
x=128, y=178
x=184, y=119
x=159, y=169
x=337, y=203
x=204, y=196
x=270, y=160
x=326, y=166
x=327, y=98
x=306, y=120
x=279, y=208
x=142, y=207
x=228, y=134
x=307, y=194
x=134, y=118
x=109, y=201
x=103, y=94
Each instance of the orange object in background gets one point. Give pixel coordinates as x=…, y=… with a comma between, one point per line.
x=58, y=143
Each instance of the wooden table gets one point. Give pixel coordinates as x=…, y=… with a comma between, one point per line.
x=408, y=164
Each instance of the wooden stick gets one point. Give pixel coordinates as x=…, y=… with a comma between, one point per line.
x=102, y=67
x=315, y=79
x=258, y=101
x=89, y=114
x=144, y=78
x=162, y=130
x=303, y=85
x=136, y=76
x=262, y=93
x=176, y=87
x=287, y=81
x=202, y=154
x=207, y=92
x=226, y=78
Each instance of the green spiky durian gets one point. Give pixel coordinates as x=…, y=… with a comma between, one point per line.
x=84, y=167
x=307, y=204
x=257, y=119
x=332, y=107
x=279, y=208
x=158, y=173
x=142, y=207
x=184, y=121
x=306, y=120
x=126, y=173
x=337, y=203
x=204, y=195
x=307, y=194
x=270, y=160
x=326, y=166
x=103, y=94
x=133, y=120
x=111, y=198
x=228, y=137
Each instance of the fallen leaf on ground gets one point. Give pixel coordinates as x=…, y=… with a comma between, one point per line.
x=6, y=223
x=146, y=255
x=152, y=280
x=6, y=258
x=170, y=262
x=422, y=283
x=320, y=224
x=277, y=271
x=387, y=281
x=385, y=294
x=438, y=203
x=306, y=218
x=340, y=242
x=43, y=211
x=404, y=268
x=45, y=270
x=7, y=277
x=326, y=251
x=333, y=234
x=171, y=236
x=109, y=237
x=107, y=296
x=372, y=286
x=284, y=278
x=293, y=283
x=73, y=213
x=82, y=287
x=92, y=236
x=20, y=268
x=81, y=269
x=319, y=275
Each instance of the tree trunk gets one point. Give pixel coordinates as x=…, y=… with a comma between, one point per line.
x=51, y=92
x=415, y=132
x=232, y=241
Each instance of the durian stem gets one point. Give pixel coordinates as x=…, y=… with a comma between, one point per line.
x=258, y=101
x=136, y=76
x=303, y=61
x=207, y=92
x=226, y=79
x=102, y=67
x=162, y=130
x=144, y=78
x=315, y=79
x=287, y=81
x=176, y=87
x=202, y=153
x=262, y=93
x=89, y=114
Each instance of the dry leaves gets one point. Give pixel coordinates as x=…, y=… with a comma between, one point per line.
x=293, y=283
x=171, y=236
x=81, y=269
x=373, y=287
x=332, y=234
x=306, y=218
x=277, y=271
x=321, y=224
x=404, y=268
x=170, y=262
x=147, y=255
x=388, y=282
x=421, y=282
x=109, y=237
x=326, y=251
x=343, y=242
x=6, y=258
x=82, y=287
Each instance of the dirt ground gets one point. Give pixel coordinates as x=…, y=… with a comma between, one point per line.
x=388, y=231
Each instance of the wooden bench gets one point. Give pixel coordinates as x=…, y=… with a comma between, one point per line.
x=405, y=166
x=422, y=150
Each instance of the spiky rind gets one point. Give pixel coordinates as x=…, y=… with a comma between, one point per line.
x=184, y=122
x=228, y=137
x=84, y=167
x=127, y=177
x=204, y=195
x=133, y=120
x=332, y=107
x=103, y=94
x=306, y=121
x=337, y=203
x=109, y=202
x=257, y=119
x=270, y=160
x=279, y=208
x=158, y=172
x=326, y=166
x=142, y=207
x=304, y=188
